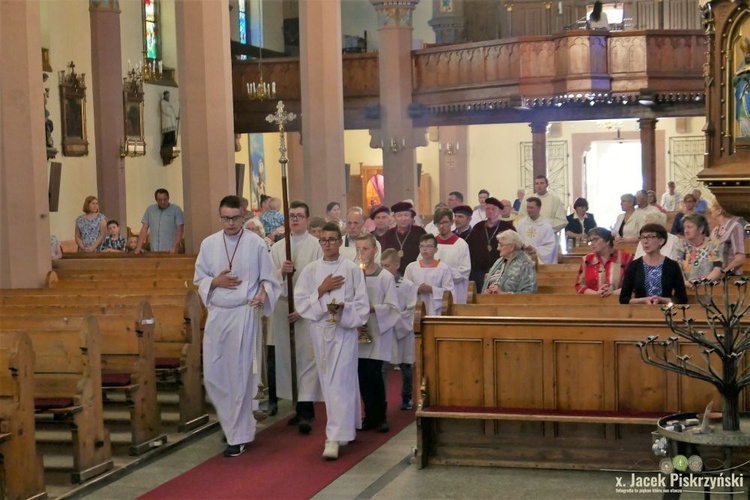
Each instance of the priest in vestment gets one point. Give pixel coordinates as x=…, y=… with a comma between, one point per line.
x=483, y=241
x=236, y=282
x=404, y=238
x=431, y=277
x=305, y=249
x=537, y=233
x=553, y=209
x=384, y=314
x=332, y=295
x=454, y=252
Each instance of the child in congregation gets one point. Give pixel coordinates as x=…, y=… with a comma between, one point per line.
x=132, y=243
x=431, y=277
x=403, y=342
x=113, y=242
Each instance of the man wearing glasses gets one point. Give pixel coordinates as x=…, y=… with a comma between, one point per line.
x=332, y=295
x=236, y=282
x=305, y=249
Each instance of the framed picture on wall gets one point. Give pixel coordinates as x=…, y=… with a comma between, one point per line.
x=258, y=173
x=73, y=105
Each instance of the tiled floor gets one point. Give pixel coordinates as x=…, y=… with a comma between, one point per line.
x=388, y=474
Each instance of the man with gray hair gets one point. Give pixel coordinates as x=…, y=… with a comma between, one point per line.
x=353, y=230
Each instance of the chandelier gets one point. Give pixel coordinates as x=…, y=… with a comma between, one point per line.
x=261, y=90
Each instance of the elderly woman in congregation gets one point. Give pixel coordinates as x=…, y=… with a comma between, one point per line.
x=514, y=271
x=627, y=224
x=602, y=271
x=698, y=255
x=653, y=278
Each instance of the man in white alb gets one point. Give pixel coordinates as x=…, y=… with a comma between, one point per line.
x=236, y=282
x=305, y=249
x=553, y=210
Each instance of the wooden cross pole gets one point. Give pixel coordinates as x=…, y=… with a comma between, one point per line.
x=280, y=118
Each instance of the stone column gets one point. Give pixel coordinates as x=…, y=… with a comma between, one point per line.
x=321, y=77
x=453, y=162
x=648, y=151
x=397, y=138
x=449, y=25
x=539, y=147
x=206, y=120
x=106, y=82
x=24, y=197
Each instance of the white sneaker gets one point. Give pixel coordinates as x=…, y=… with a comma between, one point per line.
x=331, y=451
x=343, y=443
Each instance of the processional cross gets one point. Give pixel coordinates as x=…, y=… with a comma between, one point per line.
x=280, y=118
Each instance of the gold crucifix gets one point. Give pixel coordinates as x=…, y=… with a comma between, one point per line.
x=280, y=118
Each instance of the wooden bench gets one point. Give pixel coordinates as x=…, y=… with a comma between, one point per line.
x=68, y=391
x=545, y=392
x=21, y=472
x=177, y=334
x=608, y=311
x=127, y=360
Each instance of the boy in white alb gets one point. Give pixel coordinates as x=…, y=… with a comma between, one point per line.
x=332, y=295
x=376, y=337
x=431, y=277
x=403, y=344
x=454, y=253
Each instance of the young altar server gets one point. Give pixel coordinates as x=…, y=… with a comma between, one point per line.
x=236, y=282
x=453, y=252
x=332, y=295
x=305, y=249
x=403, y=345
x=376, y=337
x=431, y=276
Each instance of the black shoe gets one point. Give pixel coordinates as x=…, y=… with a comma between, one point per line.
x=367, y=426
x=273, y=409
x=305, y=427
x=234, y=450
x=295, y=420
x=383, y=427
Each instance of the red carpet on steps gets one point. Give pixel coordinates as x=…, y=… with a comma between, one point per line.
x=281, y=463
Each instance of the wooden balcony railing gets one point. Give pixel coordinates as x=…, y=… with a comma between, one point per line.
x=501, y=74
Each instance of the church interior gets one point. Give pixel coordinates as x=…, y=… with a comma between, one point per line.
x=521, y=397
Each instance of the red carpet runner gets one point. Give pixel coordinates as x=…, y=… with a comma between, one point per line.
x=281, y=463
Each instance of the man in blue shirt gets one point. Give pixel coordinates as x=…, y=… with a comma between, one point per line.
x=166, y=223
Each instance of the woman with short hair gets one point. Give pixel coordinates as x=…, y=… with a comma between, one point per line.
x=627, y=224
x=333, y=213
x=699, y=256
x=514, y=271
x=91, y=227
x=731, y=237
x=653, y=278
x=580, y=222
x=602, y=271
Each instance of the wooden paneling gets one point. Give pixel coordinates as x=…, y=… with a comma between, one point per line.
x=579, y=365
x=460, y=378
x=696, y=394
x=639, y=387
x=515, y=385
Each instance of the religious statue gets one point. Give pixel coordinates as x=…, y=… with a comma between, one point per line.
x=169, y=123
x=742, y=89
x=48, y=125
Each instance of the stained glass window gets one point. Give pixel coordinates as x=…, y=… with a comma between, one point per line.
x=243, y=22
x=151, y=28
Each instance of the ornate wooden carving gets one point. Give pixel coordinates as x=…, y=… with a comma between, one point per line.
x=727, y=129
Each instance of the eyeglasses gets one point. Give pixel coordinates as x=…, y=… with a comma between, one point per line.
x=236, y=218
x=594, y=239
x=648, y=237
x=297, y=216
x=426, y=246
x=328, y=241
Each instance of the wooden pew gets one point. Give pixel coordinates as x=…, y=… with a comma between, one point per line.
x=21, y=472
x=548, y=393
x=127, y=360
x=177, y=334
x=613, y=311
x=68, y=390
